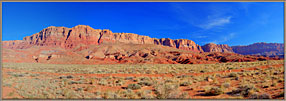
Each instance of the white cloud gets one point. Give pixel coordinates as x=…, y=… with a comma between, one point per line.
x=202, y=36
x=215, y=22
x=222, y=39
x=212, y=16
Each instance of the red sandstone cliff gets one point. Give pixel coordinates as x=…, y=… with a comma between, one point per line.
x=82, y=34
x=211, y=47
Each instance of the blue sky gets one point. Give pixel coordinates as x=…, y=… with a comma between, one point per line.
x=232, y=23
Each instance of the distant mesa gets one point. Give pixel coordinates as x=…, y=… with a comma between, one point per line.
x=211, y=47
x=262, y=48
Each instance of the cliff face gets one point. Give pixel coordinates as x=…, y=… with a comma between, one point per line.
x=267, y=49
x=179, y=43
x=16, y=44
x=82, y=34
x=211, y=47
x=64, y=37
x=69, y=38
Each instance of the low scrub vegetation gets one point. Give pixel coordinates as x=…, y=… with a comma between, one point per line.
x=240, y=80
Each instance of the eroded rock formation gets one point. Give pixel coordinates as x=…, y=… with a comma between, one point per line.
x=211, y=47
x=82, y=34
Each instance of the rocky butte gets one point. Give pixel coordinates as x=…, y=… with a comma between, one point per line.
x=211, y=47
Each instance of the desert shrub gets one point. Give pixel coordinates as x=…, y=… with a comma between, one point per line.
x=144, y=79
x=89, y=88
x=148, y=71
x=18, y=75
x=232, y=75
x=257, y=96
x=273, y=77
x=169, y=81
x=11, y=94
x=209, y=78
x=182, y=76
x=264, y=96
x=34, y=75
x=74, y=82
x=129, y=78
x=218, y=75
x=230, y=68
x=254, y=96
x=275, y=73
x=265, y=85
x=128, y=94
x=280, y=80
x=244, y=90
x=102, y=82
x=184, y=95
x=236, y=78
x=274, y=84
x=119, y=82
x=97, y=93
x=69, y=77
x=145, y=83
x=133, y=86
x=146, y=94
x=213, y=91
x=167, y=91
x=281, y=94
x=110, y=95
x=185, y=83
x=225, y=85
x=78, y=89
x=68, y=93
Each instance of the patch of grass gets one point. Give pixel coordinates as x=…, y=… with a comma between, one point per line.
x=245, y=90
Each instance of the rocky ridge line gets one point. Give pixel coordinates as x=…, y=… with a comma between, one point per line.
x=82, y=34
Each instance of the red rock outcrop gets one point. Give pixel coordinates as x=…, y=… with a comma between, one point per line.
x=85, y=35
x=19, y=44
x=268, y=49
x=179, y=43
x=64, y=37
x=188, y=45
x=211, y=47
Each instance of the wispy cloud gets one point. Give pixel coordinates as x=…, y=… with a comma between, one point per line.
x=201, y=36
x=222, y=39
x=216, y=22
x=214, y=16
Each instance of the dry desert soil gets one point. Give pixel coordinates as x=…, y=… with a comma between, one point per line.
x=233, y=80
